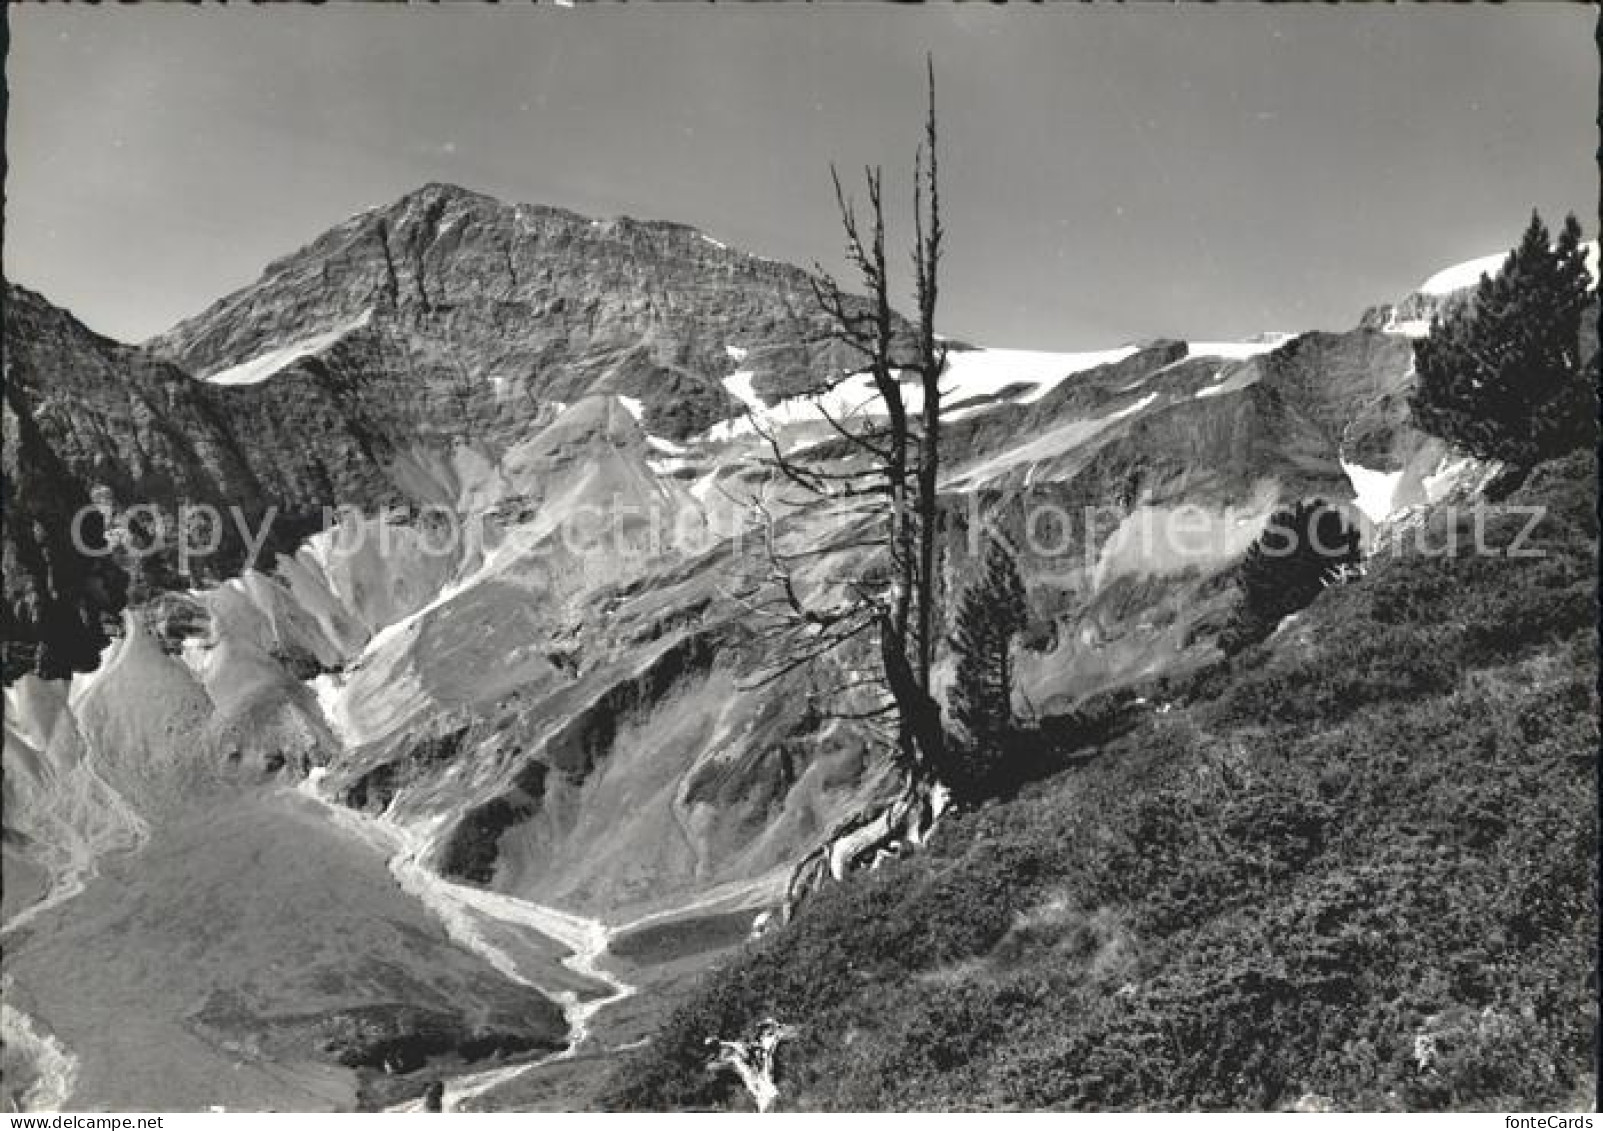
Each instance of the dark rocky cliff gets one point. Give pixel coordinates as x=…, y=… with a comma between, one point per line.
x=89, y=420
x=474, y=311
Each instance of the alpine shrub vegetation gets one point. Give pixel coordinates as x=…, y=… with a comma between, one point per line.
x=1354, y=870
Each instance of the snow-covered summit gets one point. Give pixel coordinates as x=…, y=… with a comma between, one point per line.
x=1461, y=276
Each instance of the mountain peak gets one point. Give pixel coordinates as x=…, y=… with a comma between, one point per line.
x=445, y=195
x=519, y=301
x=435, y=189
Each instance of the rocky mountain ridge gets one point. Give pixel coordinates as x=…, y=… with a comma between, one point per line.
x=487, y=307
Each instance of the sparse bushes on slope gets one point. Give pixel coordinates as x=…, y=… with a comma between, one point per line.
x=1347, y=675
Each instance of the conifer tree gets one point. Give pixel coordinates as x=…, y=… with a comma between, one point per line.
x=1302, y=550
x=991, y=613
x=1501, y=376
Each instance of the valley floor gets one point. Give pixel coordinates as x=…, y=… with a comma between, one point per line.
x=228, y=959
x=193, y=973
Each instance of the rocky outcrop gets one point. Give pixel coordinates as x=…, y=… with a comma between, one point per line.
x=373, y=790
x=754, y=1060
x=90, y=421
x=471, y=852
x=60, y=604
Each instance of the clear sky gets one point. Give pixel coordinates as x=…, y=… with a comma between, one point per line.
x=1110, y=173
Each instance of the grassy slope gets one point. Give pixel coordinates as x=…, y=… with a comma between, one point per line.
x=1356, y=867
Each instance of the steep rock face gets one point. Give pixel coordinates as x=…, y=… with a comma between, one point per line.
x=91, y=421
x=1132, y=488
x=120, y=417
x=59, y=604
x=470, y=311
x=1412, y=314
x=110, y=412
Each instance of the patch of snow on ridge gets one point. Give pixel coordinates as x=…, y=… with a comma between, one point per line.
x=263, y=366
x=666, y=447
x=1054, y=443
x=851, y=398
x=739, y=386
x=1231, y=379
x=986, y=372
x=1132, y=409
x=1373, y=491
x=1463, y=275
x=329, y=690
x=1408, y=328
x=633, y=406
x=970, y=374
x=1237, y=351
x=736, y=353
x=672, y=465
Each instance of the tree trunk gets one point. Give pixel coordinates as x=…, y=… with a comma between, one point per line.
x=864, y=839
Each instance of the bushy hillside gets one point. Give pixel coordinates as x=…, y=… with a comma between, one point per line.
x=1355, y=867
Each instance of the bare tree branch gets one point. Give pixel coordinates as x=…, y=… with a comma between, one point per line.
x=900, y=463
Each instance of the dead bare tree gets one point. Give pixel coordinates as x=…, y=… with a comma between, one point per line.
x=886, y=465
x=754, y=1060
